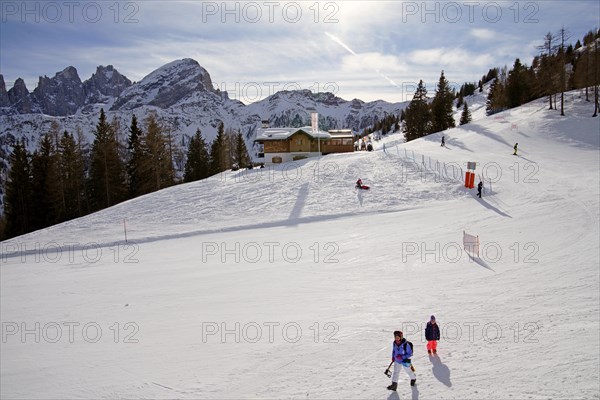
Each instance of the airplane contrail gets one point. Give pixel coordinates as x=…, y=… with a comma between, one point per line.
x=345, y=46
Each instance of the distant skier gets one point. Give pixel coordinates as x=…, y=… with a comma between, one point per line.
x=443, y=141
x=401, y=353
x=515, y=147
x=479, y=188
x=432, y=335
x=369, y=147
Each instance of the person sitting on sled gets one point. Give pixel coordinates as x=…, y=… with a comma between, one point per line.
x=359, y=183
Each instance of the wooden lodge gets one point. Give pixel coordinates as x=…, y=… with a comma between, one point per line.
x=279, y=145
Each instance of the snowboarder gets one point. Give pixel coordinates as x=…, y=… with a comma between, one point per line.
x=515, y=147
x=401, y=353
x=479, y=188
x=432, y=335
x=443, y=141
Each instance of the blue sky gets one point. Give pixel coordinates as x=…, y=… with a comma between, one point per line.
x=357, y=49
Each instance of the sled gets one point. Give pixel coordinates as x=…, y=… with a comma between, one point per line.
x=364, y=187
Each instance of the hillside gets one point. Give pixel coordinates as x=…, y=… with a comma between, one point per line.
x=286, y=282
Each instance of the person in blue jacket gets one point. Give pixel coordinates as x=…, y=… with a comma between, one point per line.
x=432, y=335
x=401, y=353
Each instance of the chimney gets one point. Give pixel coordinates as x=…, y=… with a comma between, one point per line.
x=314, y=119
x=265, y=123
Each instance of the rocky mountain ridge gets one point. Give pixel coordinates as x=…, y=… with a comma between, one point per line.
x=182, y=95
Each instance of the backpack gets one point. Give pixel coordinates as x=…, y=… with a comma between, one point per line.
x=411, y=347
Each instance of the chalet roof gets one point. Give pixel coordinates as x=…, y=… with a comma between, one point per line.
x=341, y=133
x=285, y=133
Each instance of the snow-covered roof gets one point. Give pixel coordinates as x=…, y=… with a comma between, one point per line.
x=341, y=133
x=285, y=133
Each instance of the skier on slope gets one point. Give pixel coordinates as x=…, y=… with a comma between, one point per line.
x=432, y=335
x=443, y=141
x=479, y=188
x=401, y=353
x=515, y=147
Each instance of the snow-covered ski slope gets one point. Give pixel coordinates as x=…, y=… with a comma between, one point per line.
x=288, y=283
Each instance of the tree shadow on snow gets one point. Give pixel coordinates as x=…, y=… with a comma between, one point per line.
x=299, y=205
x=440, y=370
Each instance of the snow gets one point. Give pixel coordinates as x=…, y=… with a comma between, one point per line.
x=296, y=247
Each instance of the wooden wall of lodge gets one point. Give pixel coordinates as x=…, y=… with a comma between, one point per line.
x=304, y=143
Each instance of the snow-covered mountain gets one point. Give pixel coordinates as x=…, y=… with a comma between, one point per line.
x=285, y=282
x=180, y=92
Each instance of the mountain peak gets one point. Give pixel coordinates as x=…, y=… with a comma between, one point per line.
x=105, y=82
x=4, y=101
x=61, y=95
x=167, y=85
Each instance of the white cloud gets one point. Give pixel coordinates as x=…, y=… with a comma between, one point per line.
x=452, y=57
x=483, y=34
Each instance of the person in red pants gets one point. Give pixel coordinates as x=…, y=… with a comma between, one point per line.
x=432, y=335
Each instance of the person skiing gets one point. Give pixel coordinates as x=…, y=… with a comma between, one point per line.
x=515, y=147
x=401, y=353
x=432, y=335
x=443, y=141
x=479, y=188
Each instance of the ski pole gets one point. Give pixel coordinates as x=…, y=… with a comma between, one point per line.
x=387, y=371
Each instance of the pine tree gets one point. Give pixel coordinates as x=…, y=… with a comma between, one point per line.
x=135, y=157
x=564, y=36
x=72, y=170
x=417, y=115
x=17, y=199
x=497, y=99
x=241, y=156
x=46, y=186
x=596, y=79
x=196, y=166
x=517, y=89
x=459, y=101
x=107, y=184
x=157, y=164
x=442, y=115
x=465, y=117
x=218, y=152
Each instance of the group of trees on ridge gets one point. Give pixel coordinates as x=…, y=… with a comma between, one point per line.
x=558, y=68
x=66, y=178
